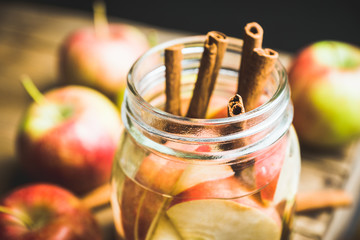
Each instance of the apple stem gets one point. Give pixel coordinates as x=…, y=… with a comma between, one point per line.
x=100, y=21
x=23, y=218
x=32, y=90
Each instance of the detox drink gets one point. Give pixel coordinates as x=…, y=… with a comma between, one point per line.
x=182, y=178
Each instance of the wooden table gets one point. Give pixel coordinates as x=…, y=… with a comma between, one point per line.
x=29, y=40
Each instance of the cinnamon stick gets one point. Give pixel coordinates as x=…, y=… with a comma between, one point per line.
x=253, y=38
x=256, y=66
x=244, y=170
x=235, y=106
x=173, y=58
x=308, y=201
x=221, y=42
x=256, y=75
x=305, y=201
x=98, y=197
x=197, y=107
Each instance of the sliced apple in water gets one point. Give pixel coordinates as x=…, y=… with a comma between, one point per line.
x=201, y=212
x=165, y=230
x=222, y=219
x=142, y=208
x=172, y=177
x=218, y=107
x=267, y=169
x=196, y=174
x=287, y=184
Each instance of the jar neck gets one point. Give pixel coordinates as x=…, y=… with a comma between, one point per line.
x=225, y=138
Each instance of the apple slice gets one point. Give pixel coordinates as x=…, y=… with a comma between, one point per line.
x=172, y=177
x=287, y=184
x=222, y=219
x=142, y=209
x=165, y=230
x=196, y=174
x=217, y=107
x=267, y=169
x=210, y=195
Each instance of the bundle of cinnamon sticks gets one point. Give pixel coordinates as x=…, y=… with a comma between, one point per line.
x=214, y=50
x=255, y=68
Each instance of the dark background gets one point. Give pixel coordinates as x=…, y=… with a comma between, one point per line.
x=288, y=25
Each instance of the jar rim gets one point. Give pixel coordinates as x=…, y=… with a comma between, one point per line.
x=273, y=100
x=265, y=124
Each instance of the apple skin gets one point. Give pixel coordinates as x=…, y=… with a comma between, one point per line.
x=225, y=188
x=55, y=213
x=325, y=82
x=217, y=107
x=140, y=207
x=268, y=166
x=163, y=176
x=101, y=62
x=76, y=148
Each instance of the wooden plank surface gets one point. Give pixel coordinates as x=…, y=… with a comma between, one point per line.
x=29, y=40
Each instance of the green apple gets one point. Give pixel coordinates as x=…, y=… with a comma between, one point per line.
x=70, y=138
x=325, y=82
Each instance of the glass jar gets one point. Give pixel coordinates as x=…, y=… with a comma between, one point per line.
x=183, y=178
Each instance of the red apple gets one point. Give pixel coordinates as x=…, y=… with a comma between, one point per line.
x=45, y=212
x=325, y=82
x=70, y=138
x=101, y=61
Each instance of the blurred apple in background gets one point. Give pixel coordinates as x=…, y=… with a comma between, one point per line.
x=69, y=136
x=45, y=212
x=101, y=56
x=325, y=85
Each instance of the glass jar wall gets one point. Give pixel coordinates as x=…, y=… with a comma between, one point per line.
x=183, y=178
